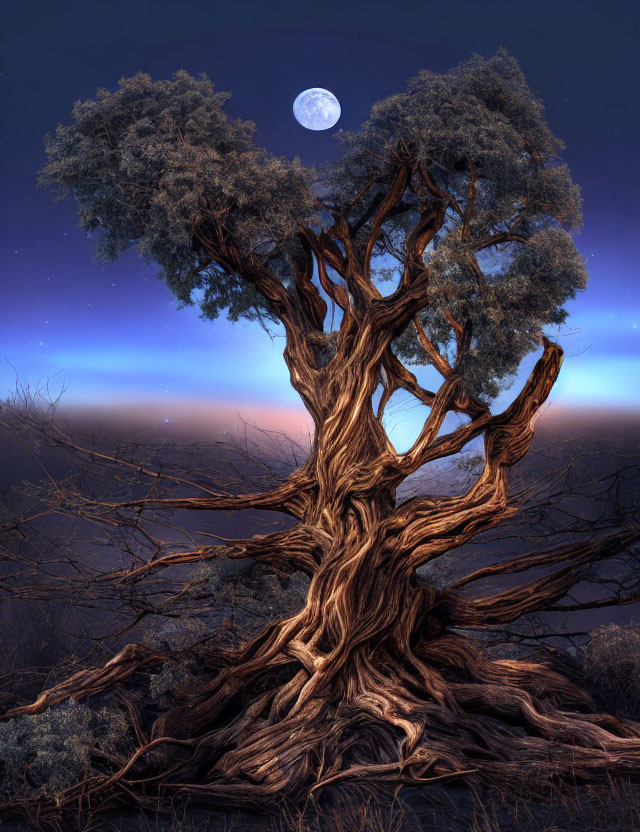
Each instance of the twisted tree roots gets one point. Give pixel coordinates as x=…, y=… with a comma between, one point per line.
x=276, y=722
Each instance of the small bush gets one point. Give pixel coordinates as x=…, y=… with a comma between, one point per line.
x=176, y=634
x=611, y=667
x=164, y=685
x=254, y=596
x=51, y=751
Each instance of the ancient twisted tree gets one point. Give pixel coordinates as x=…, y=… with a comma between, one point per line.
x=452, y=194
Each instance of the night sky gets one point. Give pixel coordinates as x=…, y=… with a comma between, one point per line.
x=112, y=335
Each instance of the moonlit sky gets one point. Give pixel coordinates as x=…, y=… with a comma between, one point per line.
x=111, y=334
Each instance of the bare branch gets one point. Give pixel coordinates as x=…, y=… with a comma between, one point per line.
x=505, y=427
x=392, y=198
x=298, y=547
x=511, y=604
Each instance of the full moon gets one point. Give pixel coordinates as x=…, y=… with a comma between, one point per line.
x=316, y=109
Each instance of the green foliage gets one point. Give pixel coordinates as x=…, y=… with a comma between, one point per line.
x=471, y=462
x=159, y=165
x=481, y=114
x=481, y=111
x=175, y=634
x=507, y=312
x=55, y=747
x=226, y=607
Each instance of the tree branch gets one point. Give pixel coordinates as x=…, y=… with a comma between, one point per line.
x=497, y=239
x=312, y=306
x=573, y=551
x=392, y=197
x=298, y=547
x=335, y=292
x=356, y=275
x=422, y=528
x=501, y=428
x=439, y=361
x=288, y=498
x=505, y=607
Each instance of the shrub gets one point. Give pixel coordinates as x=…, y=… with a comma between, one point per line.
x=51, y=751
x=611, y=667
x=173, y=676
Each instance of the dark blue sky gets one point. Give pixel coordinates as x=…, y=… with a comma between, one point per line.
x=112, y=333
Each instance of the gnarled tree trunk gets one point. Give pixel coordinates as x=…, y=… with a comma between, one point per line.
x=369, y=680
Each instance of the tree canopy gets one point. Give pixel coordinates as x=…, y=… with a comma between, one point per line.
x=458, y=178
x=159, y=165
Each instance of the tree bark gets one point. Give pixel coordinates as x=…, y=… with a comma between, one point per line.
x=371, y=679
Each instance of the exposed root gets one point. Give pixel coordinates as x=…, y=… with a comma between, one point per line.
x=251, y=737
x=86, y=683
